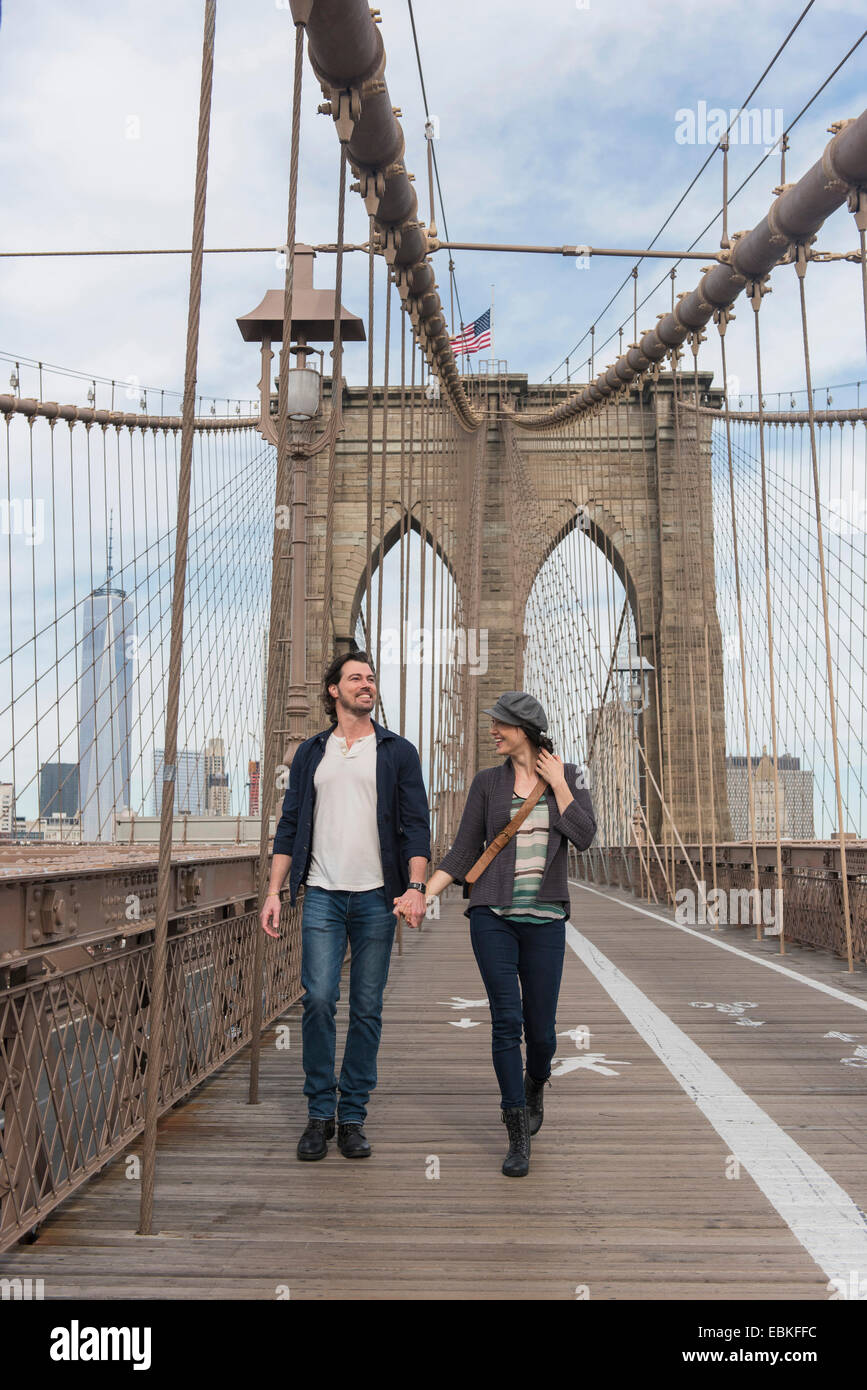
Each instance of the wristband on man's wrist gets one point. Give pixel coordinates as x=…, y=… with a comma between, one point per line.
x=419, y=887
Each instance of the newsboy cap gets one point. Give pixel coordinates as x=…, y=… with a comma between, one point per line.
x=517, y=707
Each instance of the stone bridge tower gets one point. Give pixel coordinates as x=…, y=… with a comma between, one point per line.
x=637, y=485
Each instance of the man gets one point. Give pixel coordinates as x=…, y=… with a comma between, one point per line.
x=355, y=829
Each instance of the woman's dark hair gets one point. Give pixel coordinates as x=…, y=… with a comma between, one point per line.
x=332, y=677
x=536, y=737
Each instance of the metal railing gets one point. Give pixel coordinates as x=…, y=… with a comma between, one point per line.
x=73, y=1051
x=811, y=888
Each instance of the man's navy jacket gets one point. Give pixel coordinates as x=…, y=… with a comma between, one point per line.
x=402, y=814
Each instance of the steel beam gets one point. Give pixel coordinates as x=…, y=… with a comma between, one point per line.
x=44, y=908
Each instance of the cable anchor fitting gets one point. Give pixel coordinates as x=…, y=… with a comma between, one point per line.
x=857, y=204
x=757, y=289
x=695, y=339
x=722, y=318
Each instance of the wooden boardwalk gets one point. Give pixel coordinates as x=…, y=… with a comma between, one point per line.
x=632, y=1193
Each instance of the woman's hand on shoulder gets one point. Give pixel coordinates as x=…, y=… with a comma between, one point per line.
x=550, y=768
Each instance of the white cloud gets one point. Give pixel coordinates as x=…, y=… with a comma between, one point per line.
x=555, y=126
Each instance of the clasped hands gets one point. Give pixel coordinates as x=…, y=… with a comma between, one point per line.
x=412, y=906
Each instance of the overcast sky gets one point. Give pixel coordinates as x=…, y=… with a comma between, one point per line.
x=557, y=124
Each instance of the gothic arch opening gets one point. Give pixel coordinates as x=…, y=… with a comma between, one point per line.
x=584, y=661
x=412, y=629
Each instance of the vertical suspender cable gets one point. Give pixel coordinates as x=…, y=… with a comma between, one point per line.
x=756, y=298
x=801, y=268
x=160, y=950
x=368, y=535
x=722, y=319
x=279, y=578
x=382, y=475
x=337, y=412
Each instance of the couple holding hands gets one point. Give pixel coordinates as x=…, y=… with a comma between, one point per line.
x=355, y=827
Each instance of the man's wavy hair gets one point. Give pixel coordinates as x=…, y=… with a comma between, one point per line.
x=332, y=677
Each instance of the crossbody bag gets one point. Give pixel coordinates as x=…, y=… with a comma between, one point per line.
x=500, y=841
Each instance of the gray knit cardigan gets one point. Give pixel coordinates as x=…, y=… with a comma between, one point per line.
x=489, y=810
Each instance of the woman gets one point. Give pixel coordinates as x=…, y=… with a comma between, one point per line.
x=519, y=904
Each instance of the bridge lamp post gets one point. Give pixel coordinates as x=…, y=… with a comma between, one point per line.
x=303, y=386
x=634, y=681
x=315, y=318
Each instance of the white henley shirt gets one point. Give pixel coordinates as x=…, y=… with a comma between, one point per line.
x=345, y=855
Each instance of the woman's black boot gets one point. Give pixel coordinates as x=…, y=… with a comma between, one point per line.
x=517, y=1160
x=533, y=1094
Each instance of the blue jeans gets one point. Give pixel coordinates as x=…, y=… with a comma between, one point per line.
x=521, y=965
x=329, y=918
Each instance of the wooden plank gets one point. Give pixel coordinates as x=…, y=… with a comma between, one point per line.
x=627, y=1192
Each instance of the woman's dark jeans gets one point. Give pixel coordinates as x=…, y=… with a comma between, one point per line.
x=532, y=954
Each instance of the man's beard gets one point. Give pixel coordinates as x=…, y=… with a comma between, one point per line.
x=346, y=704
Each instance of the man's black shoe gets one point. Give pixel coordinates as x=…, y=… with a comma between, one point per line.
x=312, y=1143
x=351, y=1141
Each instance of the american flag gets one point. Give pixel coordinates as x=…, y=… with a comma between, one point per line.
x=475, y=336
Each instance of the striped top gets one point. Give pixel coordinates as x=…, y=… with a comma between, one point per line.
x=531, y=849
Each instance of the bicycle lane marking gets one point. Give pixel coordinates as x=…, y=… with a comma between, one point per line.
x=817, y=1210
x=834, y=992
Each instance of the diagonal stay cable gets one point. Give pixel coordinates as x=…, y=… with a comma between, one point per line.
x=688, y=189
x=804, y=109
x=433, y=151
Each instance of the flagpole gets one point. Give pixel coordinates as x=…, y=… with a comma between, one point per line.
x=493, y=358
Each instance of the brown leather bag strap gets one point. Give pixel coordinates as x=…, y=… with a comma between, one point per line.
x=500, y=841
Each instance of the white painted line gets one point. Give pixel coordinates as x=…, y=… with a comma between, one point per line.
x=818, y=1212
x=726, y=946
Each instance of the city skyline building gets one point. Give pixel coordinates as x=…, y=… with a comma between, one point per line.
x=796, y=797
x=58, y=790
x=190, y=784
x=7, y=808
x=104, y=707
x=264, y=693
x=216, y=778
